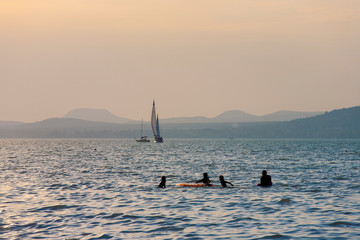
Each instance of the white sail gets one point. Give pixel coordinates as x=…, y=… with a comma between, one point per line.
x=155, y=125
x=154, y=121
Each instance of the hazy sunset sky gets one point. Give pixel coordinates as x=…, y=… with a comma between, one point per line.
x=194, y=58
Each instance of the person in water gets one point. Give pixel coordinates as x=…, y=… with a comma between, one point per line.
x=223, y=182
x=265, y=180
x=163, y=182
x=205, y=179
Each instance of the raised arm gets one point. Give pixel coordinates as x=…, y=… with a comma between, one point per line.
x=230, y=183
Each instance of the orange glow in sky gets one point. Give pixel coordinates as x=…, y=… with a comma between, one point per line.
x=193, y=57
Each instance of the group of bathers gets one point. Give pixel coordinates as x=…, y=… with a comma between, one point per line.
x=265, y=181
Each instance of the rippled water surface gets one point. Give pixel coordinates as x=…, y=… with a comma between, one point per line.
x=107, y=189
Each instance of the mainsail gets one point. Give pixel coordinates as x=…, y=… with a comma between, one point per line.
x=154, y=121
x=155, y=125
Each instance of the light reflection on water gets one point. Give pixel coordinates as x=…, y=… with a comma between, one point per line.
x=107, y=188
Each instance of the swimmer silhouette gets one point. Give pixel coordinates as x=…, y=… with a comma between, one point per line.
x=223, y=182
x=163, y=182
x=265, y=180
x=205, y=179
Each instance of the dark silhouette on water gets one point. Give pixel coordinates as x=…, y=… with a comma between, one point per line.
x=265, y=180
x=163, y=182
x=205, y=179
x=223, y=182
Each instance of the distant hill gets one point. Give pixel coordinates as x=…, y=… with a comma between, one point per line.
x=70, y=128
x=341, y=123
x=235, y=116
x=9, y=123
x=99, y=115
x=241, y=116
x=198, y=119
x=287, y=116
x=103, y=115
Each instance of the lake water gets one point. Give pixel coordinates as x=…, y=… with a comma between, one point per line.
x=107, y=189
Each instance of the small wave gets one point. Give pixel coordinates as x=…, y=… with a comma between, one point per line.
x=351, y=153
x=17, y=227
x=167, y=229
x=132, y=216
x=343, y=224
x=53, y=208
x=285, y=201
x=269, y=210
x=103, y=236
x=114, y=215
x=4, y=228
x=341, y=178
x=314, y=209
x=210, y=165
x=315, y=190
x=67, y=187
x=276, y=236
x=247, y=219
x=157, y=217
x=56, y=186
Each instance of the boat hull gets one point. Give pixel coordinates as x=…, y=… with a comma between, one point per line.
x=158, y=139
x=142, y=140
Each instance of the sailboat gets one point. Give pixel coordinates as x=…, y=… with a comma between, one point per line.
x=142, y=138
x=155, y=125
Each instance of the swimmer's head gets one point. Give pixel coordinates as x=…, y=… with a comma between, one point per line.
x=221, y=177
x=264, y=172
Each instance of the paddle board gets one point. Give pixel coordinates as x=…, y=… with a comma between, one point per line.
x=193, y=185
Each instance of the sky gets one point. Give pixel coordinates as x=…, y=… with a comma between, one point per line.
x=194, y=58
